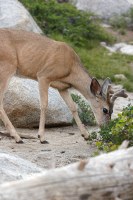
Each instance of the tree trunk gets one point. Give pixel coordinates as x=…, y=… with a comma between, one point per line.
x=105, y=177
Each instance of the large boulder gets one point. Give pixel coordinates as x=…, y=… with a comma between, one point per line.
x=22, y=99
x=104, y=8
x=15, y=168
x=21, y=103
x=14, y=15
x=130, y=1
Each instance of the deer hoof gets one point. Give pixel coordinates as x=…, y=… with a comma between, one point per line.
x=20, y=142
x=44, y=142
x=85, y=137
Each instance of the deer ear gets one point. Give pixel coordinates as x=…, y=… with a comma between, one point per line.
x=95, y=86
x=105, y=86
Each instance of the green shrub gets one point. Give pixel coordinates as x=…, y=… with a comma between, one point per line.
x=77, y=26
x=119, y=22
x=123, y=21
x=117, y=131
x=82, y=31
x=85, y=113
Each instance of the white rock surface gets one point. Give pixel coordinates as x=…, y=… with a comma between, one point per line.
x=15, y=168
x=127, y=49
x=104, y=8
x=14, y=15
x=119, y=47
x=121, y=102
x=130, y=1
x=22, y=104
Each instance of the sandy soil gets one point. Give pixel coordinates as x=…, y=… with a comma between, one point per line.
x=65, y=143
x=65, y=146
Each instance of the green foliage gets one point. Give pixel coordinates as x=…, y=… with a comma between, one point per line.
x=101, y=64
x=77, y=26
x=119, y=22
x=85, y=113
x=82, y=31
x=123, y=22
x=117, y=131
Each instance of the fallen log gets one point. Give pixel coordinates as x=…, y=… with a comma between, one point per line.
x=105, y=177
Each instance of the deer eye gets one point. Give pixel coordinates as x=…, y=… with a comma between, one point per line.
x=105, y=110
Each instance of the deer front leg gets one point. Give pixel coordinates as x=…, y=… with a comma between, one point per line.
x=5, y=77
x=9, y=126
x=72, y=106
x=43, y=89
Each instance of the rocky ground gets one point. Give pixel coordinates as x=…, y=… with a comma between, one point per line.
x=65, y=146
x=65, y=143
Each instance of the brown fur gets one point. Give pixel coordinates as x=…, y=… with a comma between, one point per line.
x=50, y=63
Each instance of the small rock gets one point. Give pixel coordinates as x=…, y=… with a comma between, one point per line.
x=119, y=47
x=62, y=152
x=46, y=150
x=121, y=77
x=127, y=49
x=71, y=133
x=12, y=147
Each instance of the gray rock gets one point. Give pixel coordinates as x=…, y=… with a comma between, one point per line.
x=127, y=49
x=119, y=47
x=130, y=1
x=120, y=77
x=121, y=103
x=21, y=103
x=22, y=98
x=104, y=8
x=15, y=168
x=14, y=15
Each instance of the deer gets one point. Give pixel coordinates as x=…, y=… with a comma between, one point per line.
x=53, y=64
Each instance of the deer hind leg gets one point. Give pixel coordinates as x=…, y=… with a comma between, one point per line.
x=72, y=106
x=4, y=81
x=43, y=90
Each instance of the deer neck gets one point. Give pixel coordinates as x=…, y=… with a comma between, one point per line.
x=82, y=82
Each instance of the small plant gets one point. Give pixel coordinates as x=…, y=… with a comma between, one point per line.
x=117, y=131
x=119, y=22
x=123, y=22
x=85, y=113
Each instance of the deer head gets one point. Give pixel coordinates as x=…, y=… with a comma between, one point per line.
x=104, y=100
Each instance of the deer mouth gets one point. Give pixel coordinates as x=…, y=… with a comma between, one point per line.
x=108, y=118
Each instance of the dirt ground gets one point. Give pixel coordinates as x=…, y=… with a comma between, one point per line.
x=65, y=143
x=65, y=146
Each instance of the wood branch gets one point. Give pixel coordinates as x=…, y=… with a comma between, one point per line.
x=22, y=135
x=106, y=177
